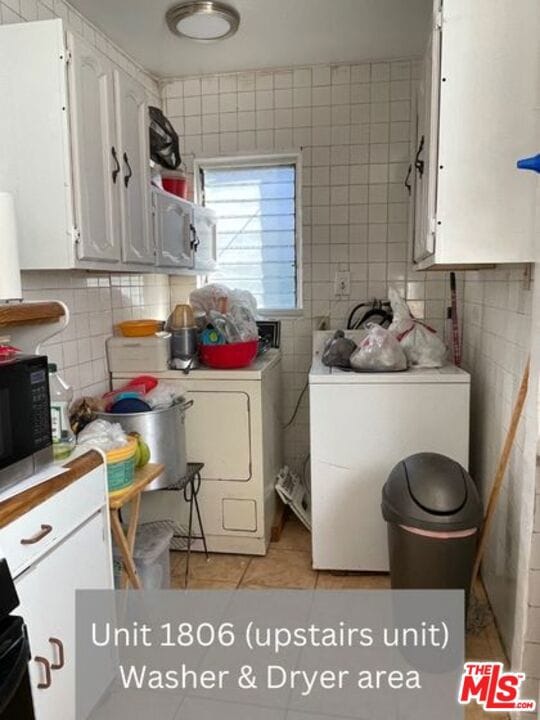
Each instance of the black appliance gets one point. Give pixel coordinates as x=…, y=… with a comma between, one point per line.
x=25, y=418
x=15, y=691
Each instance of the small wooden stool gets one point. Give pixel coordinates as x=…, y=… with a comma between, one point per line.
x=126, y=541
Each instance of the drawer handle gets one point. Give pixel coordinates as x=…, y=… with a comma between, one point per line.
x=48, y=681
x=55, y=642
x=45, y=530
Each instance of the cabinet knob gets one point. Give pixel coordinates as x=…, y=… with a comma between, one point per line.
x=530, y=163
x=47, y=667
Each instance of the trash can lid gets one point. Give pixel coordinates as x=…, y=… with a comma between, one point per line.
x=429, y=491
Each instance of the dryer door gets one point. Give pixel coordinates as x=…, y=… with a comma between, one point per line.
x=218, y=433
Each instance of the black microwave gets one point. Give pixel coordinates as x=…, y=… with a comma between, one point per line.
x=25, y=418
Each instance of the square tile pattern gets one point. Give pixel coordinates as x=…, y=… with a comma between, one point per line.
x=352, y=123
x=288, y=566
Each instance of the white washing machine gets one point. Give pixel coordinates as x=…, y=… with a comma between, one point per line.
x=361, y=425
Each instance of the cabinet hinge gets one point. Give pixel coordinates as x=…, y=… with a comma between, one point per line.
x=438, y=19
x=76, y=235
x=68, y=57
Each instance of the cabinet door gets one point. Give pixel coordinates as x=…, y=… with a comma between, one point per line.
x=489, y=102
x=47, y=595
x=426, y=146
x=95, y=153
x=205, y=223
x=172, y=229
x=132, y=131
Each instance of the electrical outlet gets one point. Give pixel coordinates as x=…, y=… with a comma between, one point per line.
x=342, y=284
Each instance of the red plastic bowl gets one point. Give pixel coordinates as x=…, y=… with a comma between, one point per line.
x=229, y=357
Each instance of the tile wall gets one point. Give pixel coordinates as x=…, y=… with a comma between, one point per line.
x=498, y=314
x=353, y=126
x=96, y=300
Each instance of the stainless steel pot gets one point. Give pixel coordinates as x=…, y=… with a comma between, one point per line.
x=165, y=433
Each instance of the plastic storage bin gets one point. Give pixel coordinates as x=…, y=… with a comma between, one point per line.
x=151, y=555
x=433, y=512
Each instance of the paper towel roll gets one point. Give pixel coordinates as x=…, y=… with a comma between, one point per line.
x=10, y=274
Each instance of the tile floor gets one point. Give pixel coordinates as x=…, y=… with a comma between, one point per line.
x=288, y=565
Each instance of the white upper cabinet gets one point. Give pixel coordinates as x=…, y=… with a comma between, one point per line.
x=205, y=238
x=132, y=132
x=172, y=230
x=478, y=114
x=95, y=153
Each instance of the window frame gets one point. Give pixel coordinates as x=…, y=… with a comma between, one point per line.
x=264, y=160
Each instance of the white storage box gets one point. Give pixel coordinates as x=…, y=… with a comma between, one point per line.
x=139, y=354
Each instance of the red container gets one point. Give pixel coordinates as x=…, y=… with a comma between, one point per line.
x=176, y=186
x=229, y=357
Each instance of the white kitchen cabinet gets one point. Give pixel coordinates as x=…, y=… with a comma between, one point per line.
x=70, y=549
x=132, y=131
x=205, y=224
x=95, y=154
x=172, y=230
x=74, y=152
x=478, y=104
x=47, y=595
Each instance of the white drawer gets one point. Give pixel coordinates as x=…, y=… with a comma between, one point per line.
x=48, y=523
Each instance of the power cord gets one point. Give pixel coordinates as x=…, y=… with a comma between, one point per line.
x=297, y=406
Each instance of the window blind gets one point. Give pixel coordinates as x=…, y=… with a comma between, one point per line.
x=256, y=230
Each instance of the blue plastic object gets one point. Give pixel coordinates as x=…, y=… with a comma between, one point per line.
x=530, y=163
x=129, y=405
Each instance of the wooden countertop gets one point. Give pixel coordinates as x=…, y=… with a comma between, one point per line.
x=18, y=505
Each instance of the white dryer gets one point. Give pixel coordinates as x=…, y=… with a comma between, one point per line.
x=361, y=425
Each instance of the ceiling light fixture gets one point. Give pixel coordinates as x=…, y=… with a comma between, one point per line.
x=203, y=20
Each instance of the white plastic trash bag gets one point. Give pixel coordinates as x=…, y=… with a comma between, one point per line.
x=232, y=312
x=103, y=435
x=422, y=345
x=379, y=351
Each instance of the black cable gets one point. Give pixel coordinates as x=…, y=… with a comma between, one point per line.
x=297, y=407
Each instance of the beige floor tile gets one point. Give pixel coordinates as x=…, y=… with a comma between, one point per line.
x=178, y=583
x=294, y=537
x=287, y=569
x=352, y=581
x=225, y=570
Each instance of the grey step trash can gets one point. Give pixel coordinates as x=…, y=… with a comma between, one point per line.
x=434, y=512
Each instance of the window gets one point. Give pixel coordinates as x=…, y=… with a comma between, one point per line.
x=258, y=230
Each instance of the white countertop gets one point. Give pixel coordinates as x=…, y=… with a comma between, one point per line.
x=254, y=371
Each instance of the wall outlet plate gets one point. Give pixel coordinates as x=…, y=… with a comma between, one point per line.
x=342, y=283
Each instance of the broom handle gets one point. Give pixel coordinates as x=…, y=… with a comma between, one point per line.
x=501, y=470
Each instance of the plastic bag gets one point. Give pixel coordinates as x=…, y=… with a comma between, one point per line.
x=379, y=351
x=338, y=350
x=232, y=312
x=422, y=345
x=164, y=146
x=103, y=435
x=163, y=396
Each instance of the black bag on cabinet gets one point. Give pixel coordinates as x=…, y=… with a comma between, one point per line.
x=164, y=147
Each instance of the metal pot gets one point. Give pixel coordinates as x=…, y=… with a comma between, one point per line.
x=165, y=433
x=184, y=347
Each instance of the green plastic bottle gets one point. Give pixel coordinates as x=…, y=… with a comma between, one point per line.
x=63, y=436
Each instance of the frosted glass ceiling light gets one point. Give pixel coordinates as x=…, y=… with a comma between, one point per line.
x=204, y=20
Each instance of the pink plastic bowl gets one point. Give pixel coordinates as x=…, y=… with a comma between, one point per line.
x=229, y=357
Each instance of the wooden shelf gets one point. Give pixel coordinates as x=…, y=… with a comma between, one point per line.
x=38, y=313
